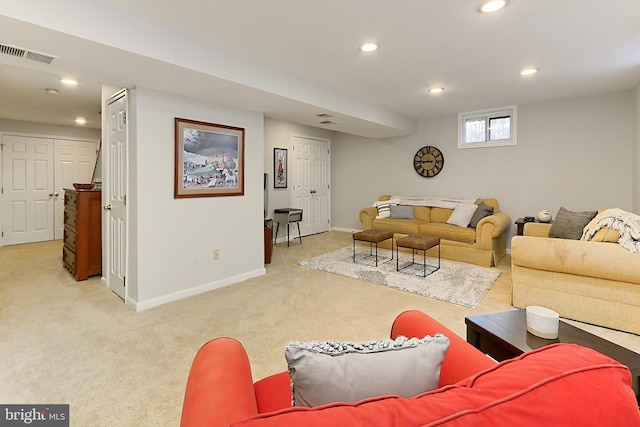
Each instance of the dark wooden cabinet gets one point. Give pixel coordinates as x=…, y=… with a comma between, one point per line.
x=268, y=240
x=82, y=250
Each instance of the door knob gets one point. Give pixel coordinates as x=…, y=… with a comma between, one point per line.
x=50, y=194
x=313, y=191
x=107, y=207
x=57, y=194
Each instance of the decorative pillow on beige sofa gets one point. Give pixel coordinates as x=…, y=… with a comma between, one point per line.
x=384, y=207
x=569, y=225
x=462, y=215
x=482, y=212
x=403, y=212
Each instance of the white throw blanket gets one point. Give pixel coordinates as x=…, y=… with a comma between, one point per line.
x=434, y=202
x=626, y=223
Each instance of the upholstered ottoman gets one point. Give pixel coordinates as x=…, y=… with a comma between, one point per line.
x=418, y=242
x=372, y=236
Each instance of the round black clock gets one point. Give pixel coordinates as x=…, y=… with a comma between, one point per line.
x=428, y=161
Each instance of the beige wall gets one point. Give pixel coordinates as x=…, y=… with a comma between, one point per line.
x=167, y=233
x=279, y=134
x=44, y=129
x=576, y=153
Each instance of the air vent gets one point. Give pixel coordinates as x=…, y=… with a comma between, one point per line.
x=325, y=115
x=328, y=122
x=19, y=52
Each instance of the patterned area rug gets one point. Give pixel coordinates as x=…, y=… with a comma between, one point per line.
x=455, y=282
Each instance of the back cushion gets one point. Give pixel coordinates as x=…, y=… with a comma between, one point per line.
x=556, y=385
x=440, y=214
x=422, y=212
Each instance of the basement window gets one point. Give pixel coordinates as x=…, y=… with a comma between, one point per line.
x=487, y=128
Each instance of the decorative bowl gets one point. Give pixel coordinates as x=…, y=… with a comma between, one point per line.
x=79, y=186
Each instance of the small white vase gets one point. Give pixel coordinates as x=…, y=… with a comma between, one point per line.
x=544, y=216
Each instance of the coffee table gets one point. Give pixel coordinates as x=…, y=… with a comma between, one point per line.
x=504, y=336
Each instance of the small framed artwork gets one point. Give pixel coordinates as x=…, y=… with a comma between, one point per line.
x=209, y=159
x=279, y=168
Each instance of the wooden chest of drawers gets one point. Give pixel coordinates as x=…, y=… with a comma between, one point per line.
x=82, y=250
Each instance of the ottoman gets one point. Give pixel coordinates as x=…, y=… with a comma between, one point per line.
x=418, y=242
x=372, y=236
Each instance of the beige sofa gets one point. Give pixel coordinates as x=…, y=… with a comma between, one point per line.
x=595, y=282
x=484, y=245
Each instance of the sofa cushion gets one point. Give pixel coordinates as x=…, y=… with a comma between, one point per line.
x=462, y=215
x=606, y=234
x=402, y=226
x=560, y=384
x=404, y=212
x=569, y=224
x=332, y=371
x=440, y=214
x=448, y=232
x=483, y=211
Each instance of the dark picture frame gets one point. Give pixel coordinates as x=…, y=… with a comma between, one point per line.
x=209, y=159
x=280, y=168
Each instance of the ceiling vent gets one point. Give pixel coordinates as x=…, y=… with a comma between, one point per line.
x=328, y=122
x=19, y=52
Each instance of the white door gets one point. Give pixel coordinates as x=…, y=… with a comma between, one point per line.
x=28, y=196
x=310, y=183
x=74, y=162
x=114, y=194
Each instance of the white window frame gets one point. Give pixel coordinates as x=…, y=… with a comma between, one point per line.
x=510, y=111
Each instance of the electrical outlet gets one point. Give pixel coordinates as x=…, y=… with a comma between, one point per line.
x=194, y=259
x=216, y=254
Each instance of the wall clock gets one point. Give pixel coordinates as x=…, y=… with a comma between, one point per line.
x=428, y=161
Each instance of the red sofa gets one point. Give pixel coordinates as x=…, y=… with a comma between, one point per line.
x=561, y=384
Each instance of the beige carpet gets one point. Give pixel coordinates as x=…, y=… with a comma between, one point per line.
x=63, y=341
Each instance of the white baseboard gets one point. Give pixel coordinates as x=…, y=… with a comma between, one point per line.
x=164, y=299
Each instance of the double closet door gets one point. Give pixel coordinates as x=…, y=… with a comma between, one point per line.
x=35, y=172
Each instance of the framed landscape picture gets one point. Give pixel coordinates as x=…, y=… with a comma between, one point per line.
x=209, y=159
x=279, y=168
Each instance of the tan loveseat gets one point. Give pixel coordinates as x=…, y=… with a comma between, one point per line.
x=484, y=245
x=595, y=282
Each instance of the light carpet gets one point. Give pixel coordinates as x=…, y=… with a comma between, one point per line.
x=455, y=282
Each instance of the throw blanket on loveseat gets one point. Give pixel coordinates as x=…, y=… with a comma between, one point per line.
x=626, y=223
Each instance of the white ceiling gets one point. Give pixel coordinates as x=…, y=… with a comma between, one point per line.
x=293, y=59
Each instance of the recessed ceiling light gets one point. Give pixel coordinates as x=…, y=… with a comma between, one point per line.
x=369, y=47
x=435, y=90
x=69, y=82
x=81, y=120
x=529, y=71
x=52, y=91
x=492, y=6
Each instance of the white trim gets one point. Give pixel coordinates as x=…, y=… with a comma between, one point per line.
x=197, y=290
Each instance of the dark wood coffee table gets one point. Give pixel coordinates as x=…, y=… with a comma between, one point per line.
x=504, y=336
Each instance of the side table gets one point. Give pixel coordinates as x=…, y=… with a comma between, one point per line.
x=504, y=336
x=287, y=216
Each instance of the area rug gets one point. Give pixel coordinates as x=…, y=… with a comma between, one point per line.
x=455, y=282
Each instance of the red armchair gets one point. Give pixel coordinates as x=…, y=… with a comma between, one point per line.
x=220, y=389
x=560, y=384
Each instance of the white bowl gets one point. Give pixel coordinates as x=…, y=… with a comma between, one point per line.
x=542, y=322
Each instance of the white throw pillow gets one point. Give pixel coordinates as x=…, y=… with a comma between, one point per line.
x=462, y=215
x=384, y=207
x=332, y=371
